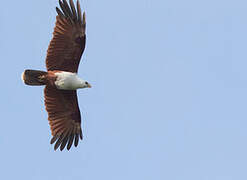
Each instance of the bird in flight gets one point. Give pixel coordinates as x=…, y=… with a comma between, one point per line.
x=60, y=79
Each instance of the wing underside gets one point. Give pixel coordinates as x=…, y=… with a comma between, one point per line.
x=69, y=39
x=64, y=117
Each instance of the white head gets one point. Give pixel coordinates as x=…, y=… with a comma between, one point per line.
x=85, y=84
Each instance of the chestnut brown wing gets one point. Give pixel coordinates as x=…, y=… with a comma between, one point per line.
x=68, y=42
x=64, y=117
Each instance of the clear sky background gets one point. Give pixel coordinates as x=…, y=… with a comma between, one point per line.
x=169, y=96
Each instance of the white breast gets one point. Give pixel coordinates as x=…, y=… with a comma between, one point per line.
x=68, y=81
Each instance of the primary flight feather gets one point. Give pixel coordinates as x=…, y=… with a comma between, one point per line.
x=61, y=80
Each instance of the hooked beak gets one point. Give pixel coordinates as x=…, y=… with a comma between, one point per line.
x=89, y=85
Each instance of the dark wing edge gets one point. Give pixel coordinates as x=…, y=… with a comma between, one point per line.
x=69, y=38
x=64, y=117
x=70, y=13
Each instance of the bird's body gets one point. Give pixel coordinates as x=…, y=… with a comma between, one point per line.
x=68, y=81
x=60, y=79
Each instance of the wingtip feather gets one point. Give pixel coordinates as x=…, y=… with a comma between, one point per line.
x=53, y=139
x=70, y=141
x=79, y=11
x=72, y=5
x=76, y=140
x=64, y=142
x=59, y=12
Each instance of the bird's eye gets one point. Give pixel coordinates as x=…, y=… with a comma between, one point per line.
x=86, y=83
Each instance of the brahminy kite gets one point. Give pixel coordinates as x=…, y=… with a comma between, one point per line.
x=61, y=80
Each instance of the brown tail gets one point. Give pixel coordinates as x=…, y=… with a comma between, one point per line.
x=34, y=77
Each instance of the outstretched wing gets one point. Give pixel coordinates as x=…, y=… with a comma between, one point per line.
x=64, y=117
x=68, y=42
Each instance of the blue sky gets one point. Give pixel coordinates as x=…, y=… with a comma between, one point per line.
x=168, y=99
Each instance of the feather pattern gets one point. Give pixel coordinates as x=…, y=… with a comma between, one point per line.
x=69, y=39
x=64, y=117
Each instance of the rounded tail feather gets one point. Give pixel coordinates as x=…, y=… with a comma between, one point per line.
x=34, y=77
